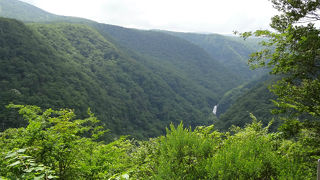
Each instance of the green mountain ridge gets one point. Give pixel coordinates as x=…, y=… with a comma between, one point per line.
x=26, y=12
x=222, y=50
x=232, y=52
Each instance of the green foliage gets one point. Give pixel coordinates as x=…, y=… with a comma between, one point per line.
x=246, y=153
x=231, y=96
x=255, y=99
x=249, y=154
x=183, y=154
x=22, y=166
x=55, y=145
x=303, y=146
x=189, y=61
x=292, y=51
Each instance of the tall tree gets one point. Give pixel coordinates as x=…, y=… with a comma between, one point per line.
x=292, y=50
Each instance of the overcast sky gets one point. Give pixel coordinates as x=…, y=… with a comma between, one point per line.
x=209, y=16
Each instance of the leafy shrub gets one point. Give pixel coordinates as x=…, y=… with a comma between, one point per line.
x=183, y=153
x=55, y=144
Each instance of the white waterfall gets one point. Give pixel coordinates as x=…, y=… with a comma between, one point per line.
x=214, y=111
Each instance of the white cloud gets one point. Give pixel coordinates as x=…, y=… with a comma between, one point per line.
x=220, y=16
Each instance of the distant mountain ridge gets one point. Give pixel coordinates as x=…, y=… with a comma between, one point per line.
x=233, y=52
x=26, y=12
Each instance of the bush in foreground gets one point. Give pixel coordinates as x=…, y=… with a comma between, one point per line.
x=55, y=145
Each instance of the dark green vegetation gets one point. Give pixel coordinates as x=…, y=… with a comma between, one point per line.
x=177, y=55
x=254, y=97
x=56, y=145
x=231, y=96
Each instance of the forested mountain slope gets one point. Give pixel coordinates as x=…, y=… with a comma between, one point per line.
x=176, y=54
x=158, y=49
x=231, y=96
x=64, y=65
x=233, y=52
x=253, y=97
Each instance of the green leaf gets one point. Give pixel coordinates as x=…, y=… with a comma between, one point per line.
x=39, y=177
x=21, y=150
x=29, y=170
x=39, y=168
x=12, y=154
x=51, y=177
x=14, y=164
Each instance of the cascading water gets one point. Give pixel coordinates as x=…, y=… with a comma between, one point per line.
x=214, y=111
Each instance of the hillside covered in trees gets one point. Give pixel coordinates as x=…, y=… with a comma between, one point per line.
x=66, y=65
